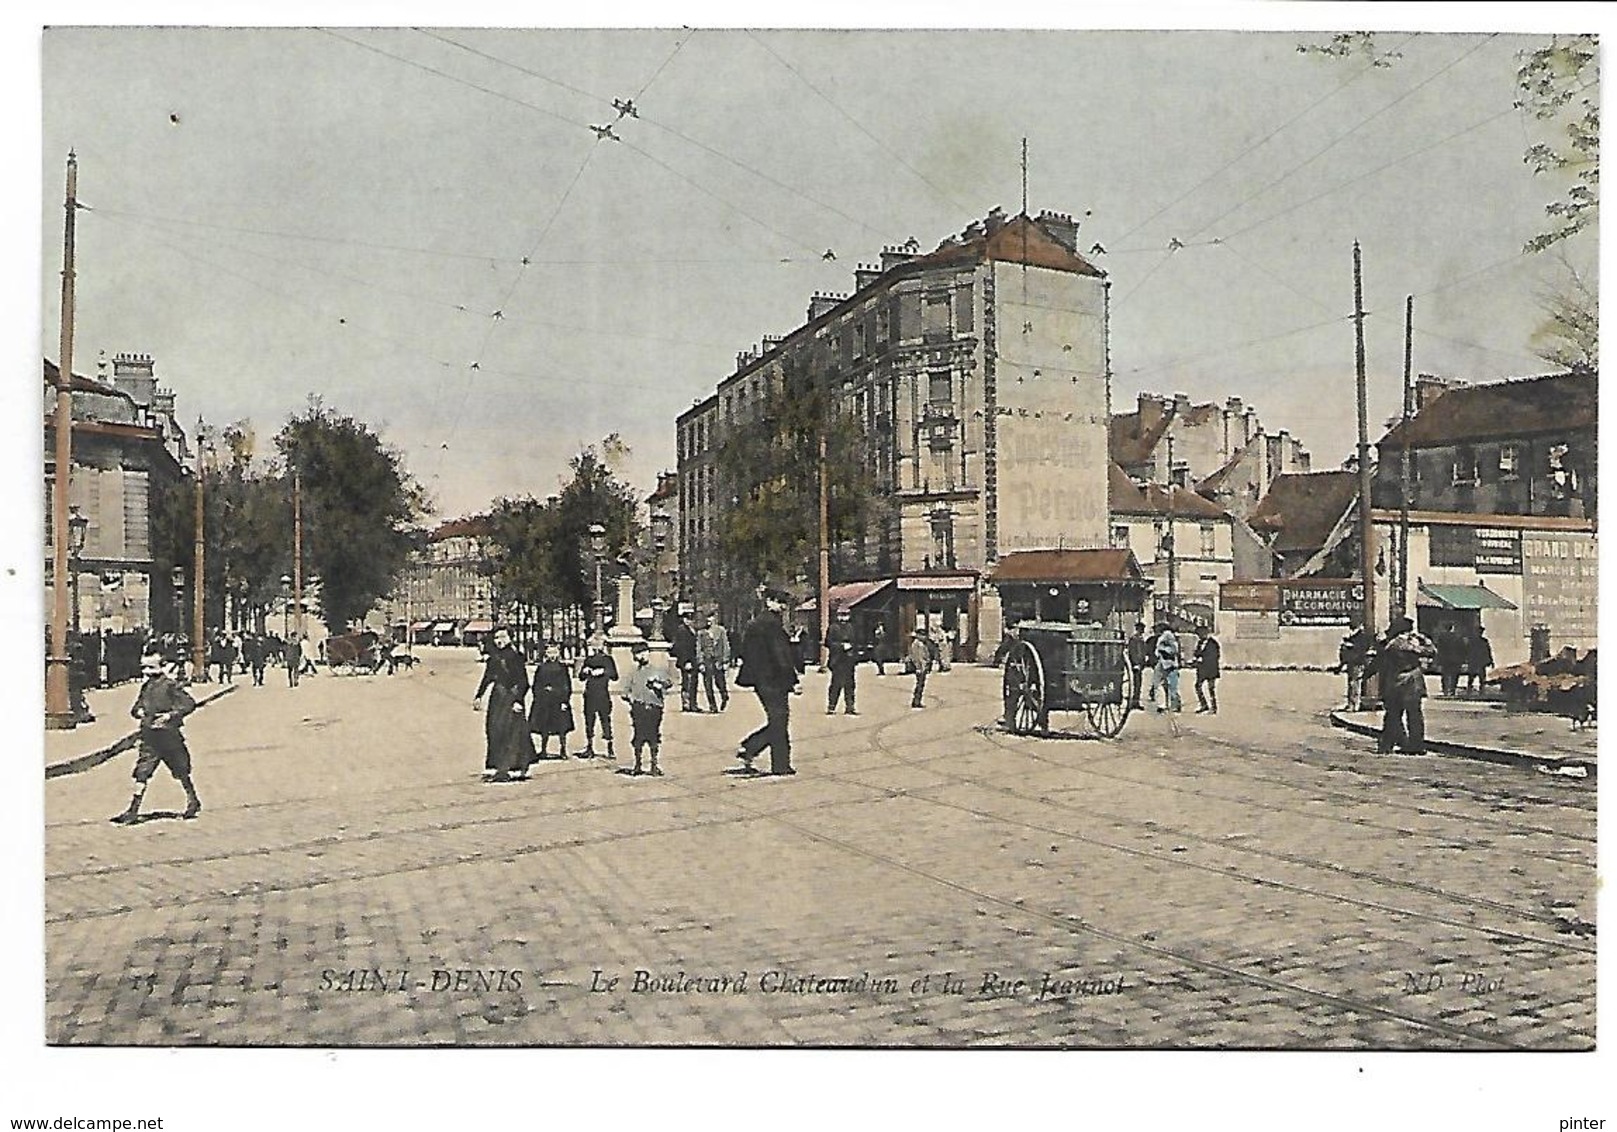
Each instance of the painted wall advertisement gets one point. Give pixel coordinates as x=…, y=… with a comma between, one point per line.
x=1560, y=585
x=1320, y=604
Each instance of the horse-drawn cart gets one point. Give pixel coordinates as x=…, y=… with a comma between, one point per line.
x=1063, y=666
x=354, y=653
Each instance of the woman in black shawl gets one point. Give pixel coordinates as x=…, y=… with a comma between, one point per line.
x=552, y=710
x=505, y=678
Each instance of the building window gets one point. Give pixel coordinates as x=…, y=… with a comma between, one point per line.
x=939, y=392
x=1510, y=461
x=884, y=324
x=1465, y=467
x=1209, y=544
x=1120, y=535
x=935, y=317
x=858, y=340
x=962, y=310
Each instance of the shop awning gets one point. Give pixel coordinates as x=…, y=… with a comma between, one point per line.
x=444, y=627
x=1061, y=567
x=1460, y=597
x=846, y=595
x=478, y=627
x=420, y=626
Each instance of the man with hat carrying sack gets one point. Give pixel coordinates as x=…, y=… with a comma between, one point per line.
x=161, y=707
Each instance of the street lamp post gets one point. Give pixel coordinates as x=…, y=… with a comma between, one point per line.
x=78, y=525
x=598, y=550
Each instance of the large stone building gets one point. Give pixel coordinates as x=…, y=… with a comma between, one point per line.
x=980, y=375
x=129, y=452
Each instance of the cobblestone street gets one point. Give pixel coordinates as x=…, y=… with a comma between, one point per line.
x=1247, y=880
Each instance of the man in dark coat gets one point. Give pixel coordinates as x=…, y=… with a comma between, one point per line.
x=769, y=668
x=841, y=658
x=1352, y=656
x=255, y=651
x=682, y=648
x=505, y=678
x=1451, y=653
x=1479, y=660
x=161, y=706
x=552, y=710
x=599, y=672
x=1400, y=655
x=1206, y=657
x=1140, y=658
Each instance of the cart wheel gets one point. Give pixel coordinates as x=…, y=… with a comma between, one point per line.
x=1106, y=720
x=1025, y=710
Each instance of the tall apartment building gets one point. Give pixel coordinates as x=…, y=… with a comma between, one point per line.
x=979, y=372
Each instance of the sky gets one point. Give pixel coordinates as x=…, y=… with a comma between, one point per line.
x=418, y=225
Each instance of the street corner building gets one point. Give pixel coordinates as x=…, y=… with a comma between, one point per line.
x=979, y=377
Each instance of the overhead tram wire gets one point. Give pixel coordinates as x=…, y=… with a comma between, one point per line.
x=646, y=119
x=630, y=146
x=527, y=259
x=942, y=194
x=1340, y=138
x=1236, y=347
x=438, y=301
x=1304, y=112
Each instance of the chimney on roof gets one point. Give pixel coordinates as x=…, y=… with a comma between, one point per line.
x=743, y=359
x=1152, y=408
x=769, y=343
x=1429, y=387
x=895, y=254
x=864, y=275
x=132, y=374
x=821, y=302
x=1233, y=406
x=1061, y=227
x=1181, y=403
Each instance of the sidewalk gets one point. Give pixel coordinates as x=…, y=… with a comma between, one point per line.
x=1480, y=729
x=113, y=732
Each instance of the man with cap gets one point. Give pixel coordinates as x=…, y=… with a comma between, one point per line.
x=770, y=670
x=161, y=706
x=682, y=649
x=644, y=692
x=1400, y=655
x=919, y=661
x=1168, y=655
x=1139, y=652
x=713, y=657
x=841, y=659
x=598, y=671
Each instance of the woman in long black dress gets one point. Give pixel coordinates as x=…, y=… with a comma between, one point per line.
x=505, y=678
x=552, y=710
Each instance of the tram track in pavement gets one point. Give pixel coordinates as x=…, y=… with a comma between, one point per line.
x=1315, y=794
x=727, y=796
x=502, y=796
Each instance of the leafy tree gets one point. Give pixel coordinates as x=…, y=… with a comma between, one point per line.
x=772, y=466
x=542, y=553
x=1569, y=336
x=1558, y=84
x=360, y=509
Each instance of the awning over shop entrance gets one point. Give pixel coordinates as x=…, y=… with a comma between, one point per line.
x=420, y=626
x=1460, y=597
x=444, y=627
x=478, y=626
x=1103, y=564
x=847, y=595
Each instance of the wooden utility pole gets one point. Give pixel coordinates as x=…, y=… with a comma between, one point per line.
x=1402, y=600
x=297, y=553
x=1366, y=530
x=1173, y=567
x=199, y=645
x=58, y=692
x=825, y=541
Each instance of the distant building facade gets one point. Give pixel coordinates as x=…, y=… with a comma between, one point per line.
x=1173, y=529
x=129, y=455
x=979, y=373
x=1502, y=524
x=446, y=594
x=1224, y=451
